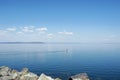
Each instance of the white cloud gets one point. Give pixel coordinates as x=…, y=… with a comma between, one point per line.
x=20, y=33
x=112, y=36
x=50, y=35
x=11, y=29
x=41, y=29
x=31, y=33
x=27, y=29
x=3, y=32
x=65, y=33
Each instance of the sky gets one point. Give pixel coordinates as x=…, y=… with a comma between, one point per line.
x=60, y=20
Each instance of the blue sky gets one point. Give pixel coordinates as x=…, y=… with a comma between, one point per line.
x=60, y=20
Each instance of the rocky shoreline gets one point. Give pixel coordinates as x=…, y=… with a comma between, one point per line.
x=7, y=73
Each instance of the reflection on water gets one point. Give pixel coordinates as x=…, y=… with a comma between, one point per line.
x=100, y=61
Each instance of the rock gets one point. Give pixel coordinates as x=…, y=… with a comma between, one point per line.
x=14, y=74
x=7, y=74
x=44, y=77
x=4, y=71
x=5, y=78
x=57, y=79
x=81, y=76
x=29, y=76
x=24, y=71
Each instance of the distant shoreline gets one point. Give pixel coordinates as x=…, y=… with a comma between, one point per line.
x=54, y=43
x=22, y=43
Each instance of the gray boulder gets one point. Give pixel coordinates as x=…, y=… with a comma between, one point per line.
x=81, y=76
x=5, y=78
x=4, y=71
x=44, y=77
x=24, y=71
x=14, y=74
x=58, y=79
x=29, y=76
x=7, y=74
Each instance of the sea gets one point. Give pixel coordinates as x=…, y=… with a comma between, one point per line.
x=101, y=61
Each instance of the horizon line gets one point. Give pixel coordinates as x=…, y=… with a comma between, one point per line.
x=40, y=42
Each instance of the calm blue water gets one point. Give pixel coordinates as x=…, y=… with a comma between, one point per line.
x=99, y=61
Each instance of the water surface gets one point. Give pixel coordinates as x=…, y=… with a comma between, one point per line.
x=99, y=61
